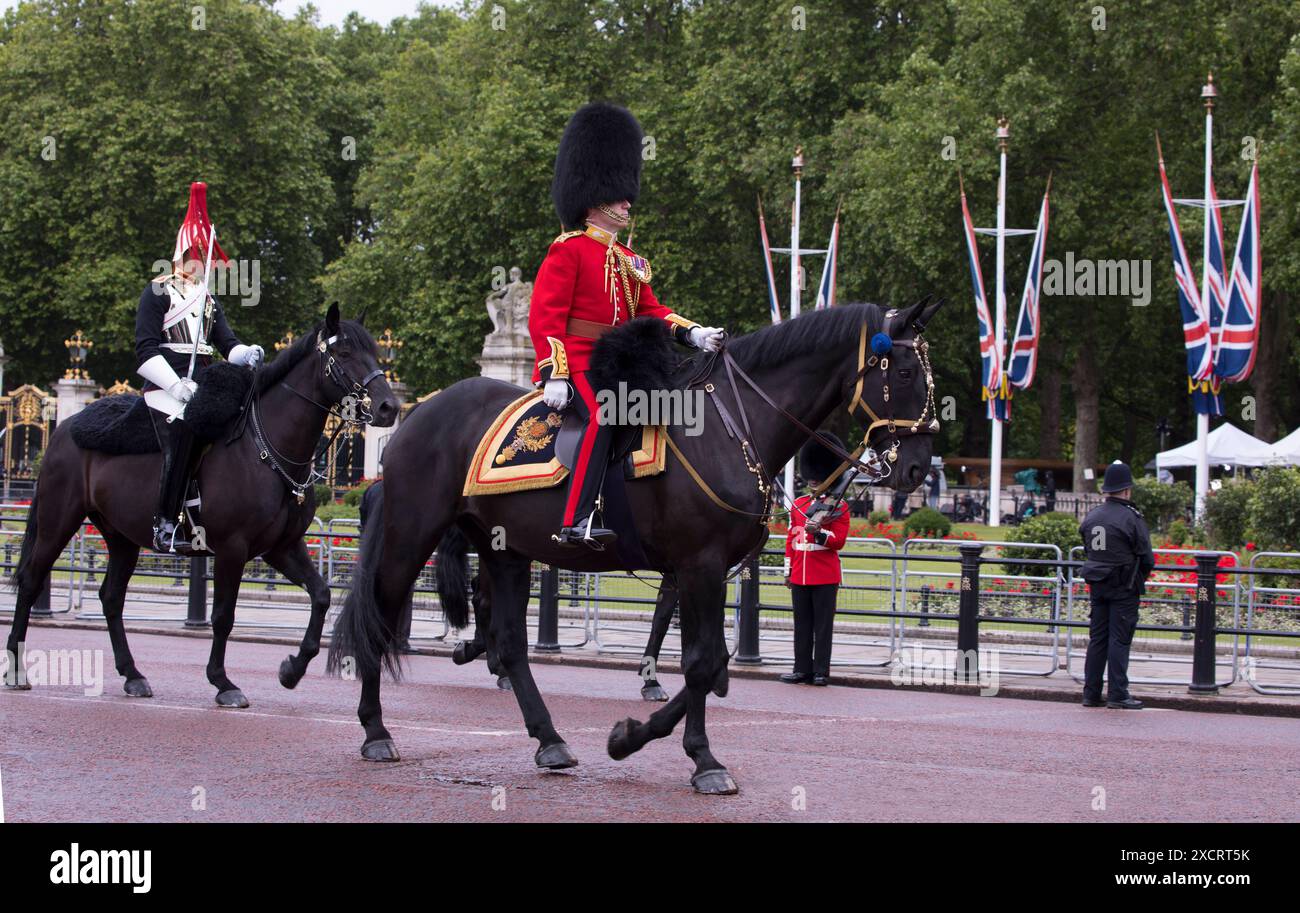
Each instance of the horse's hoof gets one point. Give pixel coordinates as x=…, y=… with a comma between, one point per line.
x=18, y=686
x=715, y=782
x=654, y=693
x=289, y=675
x=233, y=698
x=555, y=757
x=503, y=682
x=380, y=750
x=465, y=651
x=619, y=744
x=137, y=687
x=722, y=684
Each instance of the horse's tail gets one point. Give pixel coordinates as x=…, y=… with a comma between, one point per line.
x=453, y=577
x=23, y=569
x=361, y=637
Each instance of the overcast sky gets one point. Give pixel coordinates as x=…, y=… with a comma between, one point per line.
x=381, y=11
x=333, y=11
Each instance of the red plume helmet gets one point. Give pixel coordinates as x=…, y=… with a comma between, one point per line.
x=197, y=228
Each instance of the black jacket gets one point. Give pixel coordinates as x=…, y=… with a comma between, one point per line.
x=1117, y=545
x=149, y=335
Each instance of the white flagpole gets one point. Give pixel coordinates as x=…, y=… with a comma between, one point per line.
x=995, y=454
x=1208, y=92
x=797, y=164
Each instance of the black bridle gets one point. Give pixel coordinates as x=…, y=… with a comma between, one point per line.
x=878, y=463
x=352, y=408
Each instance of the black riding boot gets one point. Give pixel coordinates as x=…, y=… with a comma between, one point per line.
x=586, y=531
x=177, y=446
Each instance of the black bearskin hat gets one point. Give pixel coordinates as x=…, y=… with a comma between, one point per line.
x=599, y=161
x=815, y=461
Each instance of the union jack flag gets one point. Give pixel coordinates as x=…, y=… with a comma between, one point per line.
x=990, y=351
x=826, y=289
x=1234, y=351
x=1196, y=324
x=1214, y=272
x=1024, y=347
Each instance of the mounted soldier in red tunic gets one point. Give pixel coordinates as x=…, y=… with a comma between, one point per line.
x=178, y=326
x=590, y=283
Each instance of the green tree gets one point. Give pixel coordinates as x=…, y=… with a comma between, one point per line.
x=108, y=110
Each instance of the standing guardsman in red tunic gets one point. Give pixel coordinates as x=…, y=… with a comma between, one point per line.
x=819, y=527
x=588, y=284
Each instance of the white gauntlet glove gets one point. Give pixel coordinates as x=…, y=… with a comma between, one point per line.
x=556, y=393
x=183, y=390
x=250, y=356
x=707, y=338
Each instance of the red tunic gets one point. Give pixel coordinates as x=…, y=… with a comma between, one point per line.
x=808, y=562
x=571, y=284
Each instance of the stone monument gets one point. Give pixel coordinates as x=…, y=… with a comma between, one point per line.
x=508, y=350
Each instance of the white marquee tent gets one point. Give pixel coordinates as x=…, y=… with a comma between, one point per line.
x=1228, y=445
x=1285, y=452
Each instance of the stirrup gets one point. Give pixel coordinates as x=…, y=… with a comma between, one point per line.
x=596, y=539
x=169, y=545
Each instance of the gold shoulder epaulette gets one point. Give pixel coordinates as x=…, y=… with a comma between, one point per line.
x=564, y=236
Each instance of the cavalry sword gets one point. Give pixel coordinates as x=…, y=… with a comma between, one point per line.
x=207, y=303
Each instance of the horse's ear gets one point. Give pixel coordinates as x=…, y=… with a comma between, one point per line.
x=912, y=313
x=332, y=318
x=927, y=313
x=361, y=318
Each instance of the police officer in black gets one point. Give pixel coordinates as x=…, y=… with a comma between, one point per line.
x=1117, y=545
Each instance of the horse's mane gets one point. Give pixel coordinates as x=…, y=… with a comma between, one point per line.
x=806, y=333
x=279, y=367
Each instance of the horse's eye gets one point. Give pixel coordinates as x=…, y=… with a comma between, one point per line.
x=906, y=373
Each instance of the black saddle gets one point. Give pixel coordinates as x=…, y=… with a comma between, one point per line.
x=122, y=424
x=626, y=439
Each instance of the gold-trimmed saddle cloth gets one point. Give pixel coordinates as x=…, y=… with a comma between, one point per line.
x=517, y=452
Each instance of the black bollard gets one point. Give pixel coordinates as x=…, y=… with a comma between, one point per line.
x=548, y=612
x=1203, y=647
x=748, y=651
x=966, y=667
x=197, y=616
x=1187, y=620
x=925, y=606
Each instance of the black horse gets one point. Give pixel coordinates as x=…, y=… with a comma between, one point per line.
x=665, y=610
x=248, y=506
x=696, y=520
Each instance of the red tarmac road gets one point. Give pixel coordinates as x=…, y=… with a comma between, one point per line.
x=798, y=753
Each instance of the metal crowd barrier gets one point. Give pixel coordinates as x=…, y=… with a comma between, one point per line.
x=901, y=594
x=1052, y=598
x=1250, y=664
x=862, y=588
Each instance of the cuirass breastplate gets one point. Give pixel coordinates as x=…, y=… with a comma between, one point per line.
x=182, y=321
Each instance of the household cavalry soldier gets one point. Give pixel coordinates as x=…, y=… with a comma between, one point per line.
x=588, y=284
x=1118, y=560
x=176, y=313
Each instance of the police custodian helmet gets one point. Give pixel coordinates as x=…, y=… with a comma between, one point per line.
x=1118, y=477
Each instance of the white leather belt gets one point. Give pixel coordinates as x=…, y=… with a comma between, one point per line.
x=186, y=347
